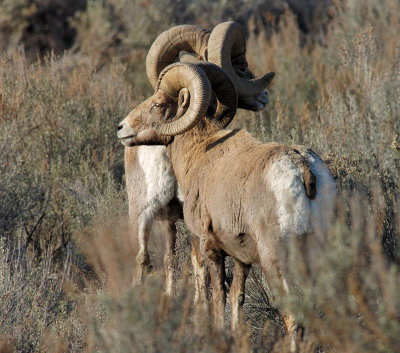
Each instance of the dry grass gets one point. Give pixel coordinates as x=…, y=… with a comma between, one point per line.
x=66, y=259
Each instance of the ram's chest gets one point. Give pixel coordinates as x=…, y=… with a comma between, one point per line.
x=160, y=181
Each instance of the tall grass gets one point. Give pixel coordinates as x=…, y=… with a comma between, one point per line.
x=60, y=166
x=67, y=261
x=60, y=160
x=354, y=305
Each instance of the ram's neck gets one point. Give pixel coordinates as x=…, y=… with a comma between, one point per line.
x=186, y=152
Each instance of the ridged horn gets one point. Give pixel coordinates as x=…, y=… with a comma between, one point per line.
x=225, y=90
x=227, y=41
x=176, y=77
x=165, y=49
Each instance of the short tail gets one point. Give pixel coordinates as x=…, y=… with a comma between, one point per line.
x=310, y=182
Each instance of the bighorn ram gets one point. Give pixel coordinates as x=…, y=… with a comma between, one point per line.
x=242, y=198
x=153, y=191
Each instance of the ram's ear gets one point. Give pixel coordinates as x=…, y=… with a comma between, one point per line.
x=184, y=98
x=183, y=102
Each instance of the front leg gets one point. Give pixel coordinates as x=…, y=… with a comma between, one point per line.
x=142, y=258
x=199, y=273
x=201, y=281
x=216, y=267
x=169, y=228
x=237, y=293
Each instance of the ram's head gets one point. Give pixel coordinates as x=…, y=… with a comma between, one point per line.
x=225, y=46
x=181, y=100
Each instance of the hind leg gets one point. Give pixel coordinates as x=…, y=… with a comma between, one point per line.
x=273, y=254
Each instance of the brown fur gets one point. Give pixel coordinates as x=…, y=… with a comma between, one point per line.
x=219, y=170
x=229, y=203
x=228, y=207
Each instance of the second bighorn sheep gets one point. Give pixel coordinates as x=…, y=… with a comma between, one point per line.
x=242, y=198
x=153, y=191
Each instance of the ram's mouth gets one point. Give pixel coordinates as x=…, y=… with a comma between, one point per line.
x=126, y=137
x=128, y=140
x=263, y=100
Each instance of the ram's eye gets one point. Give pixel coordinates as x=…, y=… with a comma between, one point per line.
x=158, y=105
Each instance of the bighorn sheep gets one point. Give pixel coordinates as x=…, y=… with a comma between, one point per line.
x=153, y=191
x=242, y=198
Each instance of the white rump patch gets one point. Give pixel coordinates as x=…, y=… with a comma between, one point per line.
x=293, y=206
x=322, y=205
x=295, y=211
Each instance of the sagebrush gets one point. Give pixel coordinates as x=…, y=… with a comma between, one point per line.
x=66, y=257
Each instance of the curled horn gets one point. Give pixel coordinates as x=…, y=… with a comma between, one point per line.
x=165, y=49
x=180, y=76
x=225, y=90
x=228, y=41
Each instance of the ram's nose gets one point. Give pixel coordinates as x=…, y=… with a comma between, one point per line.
x=124, y=130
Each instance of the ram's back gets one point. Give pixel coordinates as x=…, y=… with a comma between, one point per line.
x=235, y=187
